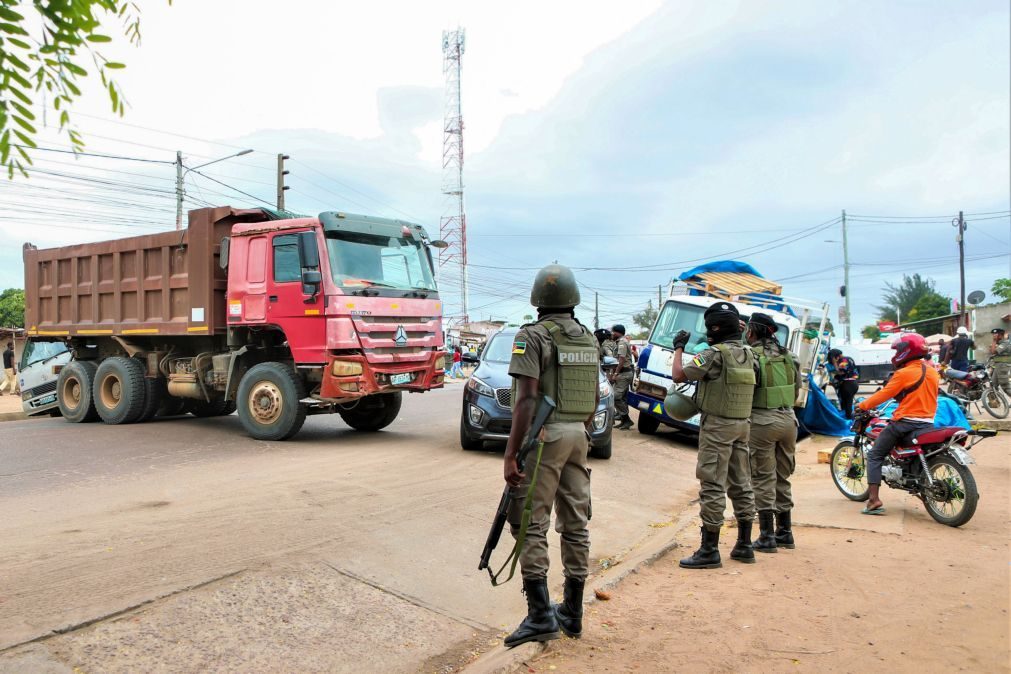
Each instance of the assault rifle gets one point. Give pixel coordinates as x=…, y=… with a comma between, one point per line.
x=530, y=442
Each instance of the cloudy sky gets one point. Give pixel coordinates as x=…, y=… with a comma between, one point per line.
x=629, y=142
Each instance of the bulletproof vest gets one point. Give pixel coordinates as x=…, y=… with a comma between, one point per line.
x=571, y=377
x=1002, y=353
x=730, y=395
x=776, y=380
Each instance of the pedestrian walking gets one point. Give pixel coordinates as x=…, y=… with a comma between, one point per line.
x=10, y=371
x=845, y=379
x=1000, y=356
x=942, y=351
x=726, y=375
x=958, y=349
x=773, y=439
x=556, y=357
x=456, y=371
x=621, y=377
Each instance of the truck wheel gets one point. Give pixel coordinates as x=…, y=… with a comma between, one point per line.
x=647, y=424
x=119, y=390
x=268, y=401
x=74, y=391
x=374, y=412
x=154, y=393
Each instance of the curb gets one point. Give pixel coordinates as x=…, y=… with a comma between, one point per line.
x=12, y=416
x=502, y=660
x=992, y=424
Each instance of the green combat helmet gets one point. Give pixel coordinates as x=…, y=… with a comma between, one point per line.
x=679, y=406
x=555, y=288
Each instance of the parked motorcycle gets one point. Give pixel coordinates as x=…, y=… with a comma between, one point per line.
x=975, y=387
x=932, y=464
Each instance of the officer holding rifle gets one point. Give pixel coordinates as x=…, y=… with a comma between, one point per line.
x=557, y=358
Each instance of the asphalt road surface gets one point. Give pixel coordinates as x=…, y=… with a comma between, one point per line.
x=183, y=545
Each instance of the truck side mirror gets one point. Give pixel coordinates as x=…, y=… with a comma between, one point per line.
x=308, y=252
x=311, y=280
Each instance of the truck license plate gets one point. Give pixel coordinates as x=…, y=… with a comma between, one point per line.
x=51, y=398
x=401, y=379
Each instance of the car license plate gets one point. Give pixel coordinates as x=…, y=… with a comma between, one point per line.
x=51, y=398
x=401, y=379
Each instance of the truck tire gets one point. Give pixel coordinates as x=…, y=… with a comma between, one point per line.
x=120, y=390
x=268, y=401
x=154, y=393
x=374, y=412
x=74, y=388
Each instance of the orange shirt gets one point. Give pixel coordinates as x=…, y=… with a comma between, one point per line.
x=920, y=404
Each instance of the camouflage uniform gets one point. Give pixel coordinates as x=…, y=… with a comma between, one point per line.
x=623, y=379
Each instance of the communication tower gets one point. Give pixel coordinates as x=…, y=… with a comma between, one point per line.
x=453, y=224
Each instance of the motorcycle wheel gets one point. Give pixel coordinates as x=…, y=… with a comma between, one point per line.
x=849, y=471
x=995, y=402
x=953, y=498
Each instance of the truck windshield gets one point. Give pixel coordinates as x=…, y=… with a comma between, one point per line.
x=36, y=352
x=363, y=260
x=676, y=316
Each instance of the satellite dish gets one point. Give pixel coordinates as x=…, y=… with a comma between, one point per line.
x=976, y=296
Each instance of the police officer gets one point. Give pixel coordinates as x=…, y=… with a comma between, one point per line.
x=621, y=377
x=773, y=437
x=556, y=357
x=603, y=337
x=1000, y=354
x=726, y=375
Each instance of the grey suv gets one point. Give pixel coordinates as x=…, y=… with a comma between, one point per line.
x=487, y=398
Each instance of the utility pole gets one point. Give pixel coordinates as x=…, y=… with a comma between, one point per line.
x=453, y=224
x=179, y=190
x=961, y=266
x=596, y=310
x=281, y=187
x=846, y=279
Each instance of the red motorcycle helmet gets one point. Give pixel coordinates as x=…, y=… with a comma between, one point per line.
x=909, y=347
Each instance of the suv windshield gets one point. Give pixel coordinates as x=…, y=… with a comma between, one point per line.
x=676, y=316
x=500, y=349
x=359, y=259
x=36, y=352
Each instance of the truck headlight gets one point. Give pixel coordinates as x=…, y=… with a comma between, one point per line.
x=440, y=363
x=604, y=389
x=478, y=386
x=346, y=368
x=600, y=420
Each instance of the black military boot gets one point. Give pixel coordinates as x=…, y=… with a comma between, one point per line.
x=743, y=550
x=540, y=623
x=626, y=423
x=708, y=554
x=767, y=527
x=570, y=612
x=784, y=534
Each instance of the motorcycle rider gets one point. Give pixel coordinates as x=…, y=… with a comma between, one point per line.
x=914, y=386
x=1000, y=356
x=845, y=379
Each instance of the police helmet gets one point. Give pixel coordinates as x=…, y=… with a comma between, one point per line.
x=679, y=406
x=555, y=288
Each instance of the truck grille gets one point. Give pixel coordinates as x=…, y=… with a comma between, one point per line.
x=42, y=389
x=504, y=397
x=378, y=335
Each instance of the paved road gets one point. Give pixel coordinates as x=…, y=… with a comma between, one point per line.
x=334, y=551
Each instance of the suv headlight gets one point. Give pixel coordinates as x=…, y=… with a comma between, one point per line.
x=479, y=387
x=604, y=389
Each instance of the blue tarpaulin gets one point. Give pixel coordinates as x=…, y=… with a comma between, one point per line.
x=766, y=300
x=821, y=416
x=948, y=413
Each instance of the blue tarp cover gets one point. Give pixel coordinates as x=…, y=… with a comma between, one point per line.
x=821, y=416
x=766, y=300
x=948, y=413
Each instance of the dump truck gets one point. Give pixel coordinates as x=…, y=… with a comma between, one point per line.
x=273, y=315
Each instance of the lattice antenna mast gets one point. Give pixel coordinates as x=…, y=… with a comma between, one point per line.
x=453, y=225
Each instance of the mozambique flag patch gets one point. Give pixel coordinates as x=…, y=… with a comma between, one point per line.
x=699, y=361
x=519, y=347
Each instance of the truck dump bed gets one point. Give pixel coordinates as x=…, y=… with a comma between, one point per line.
x=169, y=283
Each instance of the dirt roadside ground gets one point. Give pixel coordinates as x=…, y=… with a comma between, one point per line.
x=858, y=593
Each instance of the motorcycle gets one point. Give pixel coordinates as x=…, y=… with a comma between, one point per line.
x=975, y=387
x=932, y=464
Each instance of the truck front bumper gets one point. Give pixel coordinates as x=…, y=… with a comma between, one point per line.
x=346, y=377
